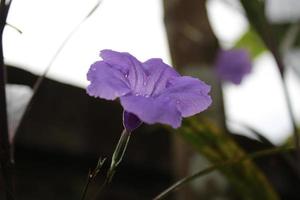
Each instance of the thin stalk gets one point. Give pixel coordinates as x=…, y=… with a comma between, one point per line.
x=14, y=27
x=287, y=97
x=117, y=158
x=275, y=50
x=227, y=163
x=118, y=154
x=5, y=155
x=86, y=186
x=91, y=176
x=254, y=12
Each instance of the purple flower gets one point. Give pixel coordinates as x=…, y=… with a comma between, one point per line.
x=232, y=65
x=151, y=91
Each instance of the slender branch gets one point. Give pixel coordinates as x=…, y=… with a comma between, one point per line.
x=287, y=98
x=5, y=155
x=86, y=186
x=118, y=154
x=255, y=13
x=14, y=27
x=39, y=81
x=117, y=158
x=227, y=163
x=91, y=176
x=274, y=48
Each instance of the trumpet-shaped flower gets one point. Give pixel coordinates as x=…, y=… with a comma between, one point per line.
x=233, y=65
x=150, y=92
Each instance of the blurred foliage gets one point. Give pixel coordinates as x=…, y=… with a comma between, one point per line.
x=252, y=42
x=278, y=38
x=274, y=36
x=217, y=146
x=255, y=13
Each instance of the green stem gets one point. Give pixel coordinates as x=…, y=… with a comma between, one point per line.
x=14, y=27
x=86, y=186
x=91, y=176
x=255, y=14
x=118, y=154
x=227, y=163
x=117, y=158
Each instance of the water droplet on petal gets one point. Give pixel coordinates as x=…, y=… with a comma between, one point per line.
x=178, y=102
x=126, y=75
x=144, y=83
x=137, y=94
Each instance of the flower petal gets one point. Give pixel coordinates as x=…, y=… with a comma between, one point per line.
x=116, y=59
x=106, y=82
x=233, y=65
x=151, y=110
x=130, y=121
x=129, y=65
x=158, y=74
x=189, y=94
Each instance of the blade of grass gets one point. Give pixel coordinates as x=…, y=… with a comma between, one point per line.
x=211, y=141
x=287, y=158
x=39, y=81
x=14, y=27
x=256, y=16
x=228, y=163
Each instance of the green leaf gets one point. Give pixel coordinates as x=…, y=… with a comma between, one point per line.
x=210, y=141
x=255, y=11
x=252, y=42
x=209, y=169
